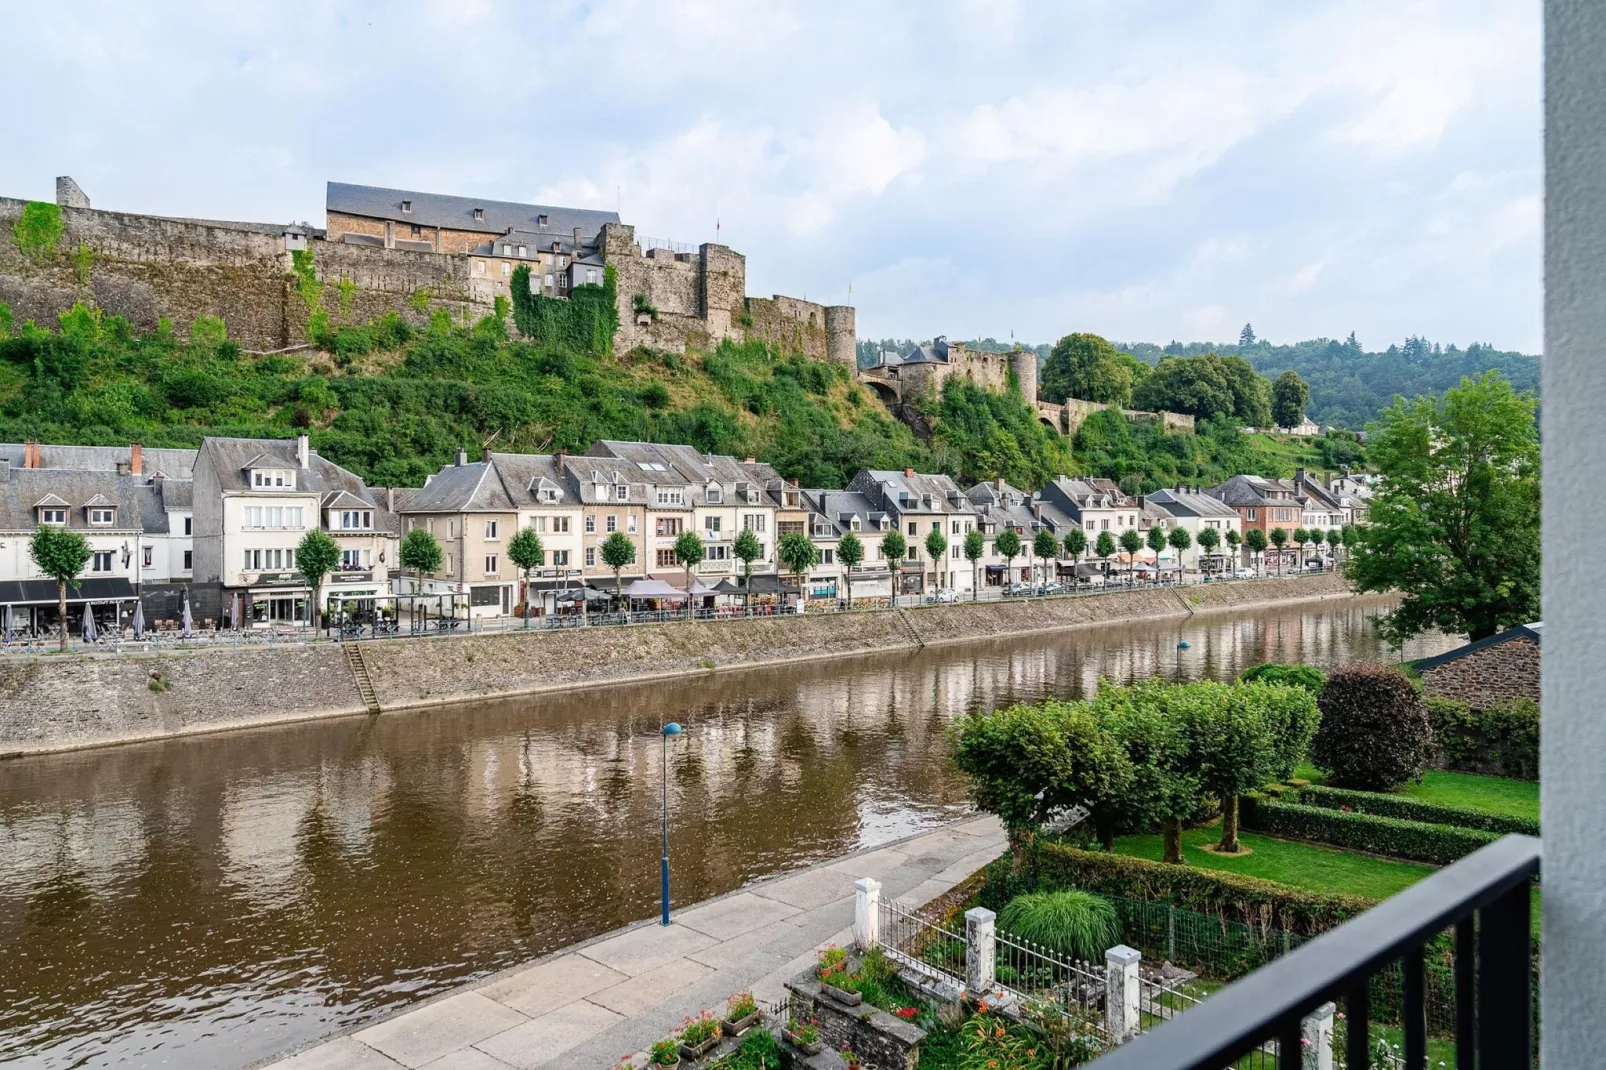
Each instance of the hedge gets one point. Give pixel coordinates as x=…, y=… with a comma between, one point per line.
x=1418, y=841
x=1250, y=900
x=1408, y=809
x=1502, y=739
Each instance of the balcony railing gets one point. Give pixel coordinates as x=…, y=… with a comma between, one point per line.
x=1486, y=897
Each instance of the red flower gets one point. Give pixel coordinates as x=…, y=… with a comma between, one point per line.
x=907, y=1013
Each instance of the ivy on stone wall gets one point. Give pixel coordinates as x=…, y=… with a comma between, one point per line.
x=308, y=285
x=83, y=260
x=585, y=321
x=38, y=229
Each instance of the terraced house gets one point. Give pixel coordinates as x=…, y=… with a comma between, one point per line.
x=917, y=505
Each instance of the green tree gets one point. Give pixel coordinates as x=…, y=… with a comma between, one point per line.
x=975, y=549
x=1076, y=544
x=1251, y=394
x=1334, y=537
x=1088, y=367
x=1007, y=545
x=1279, y=539
x=1131, y=542
x=419, y=552
x=1104, y=546
x=893, y=547
x=1299, y=538
x=316, y=557
x=690, y=552
x=1047, y=547
x=850, y=553
x=1236, y=744
x=1154, y=538
x=1289, y=396
x=1255, y=539
x=1180, y=540
x=1454, y=523
x=1152, y=721
x=617, y=552
x=527, y=552
x=936, y=549
x=61, y=554
x=747, y=549
x=798, y=554
x=1209, y=539
x=1246, y=337
x=1198, y=385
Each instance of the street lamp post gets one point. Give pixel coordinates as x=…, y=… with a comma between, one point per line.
x=670, y=729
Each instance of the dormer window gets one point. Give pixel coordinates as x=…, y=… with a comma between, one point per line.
x=621, y=492
x=540, y=220
x=854, y=523
x=102, y=518
x=273, y=479
x=549, y=495
x=715, y=495
x=57, y=517
x=356, y=519
x=407, y=206
x=479, y=213
x=507, y=250
x=523, y=251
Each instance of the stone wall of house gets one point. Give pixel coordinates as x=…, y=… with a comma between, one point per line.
x=52, y=703
x=1488, y=677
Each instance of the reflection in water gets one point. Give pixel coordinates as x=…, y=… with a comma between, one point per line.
x=211, y=901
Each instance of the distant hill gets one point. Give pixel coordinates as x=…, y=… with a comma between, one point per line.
x=1349, y=386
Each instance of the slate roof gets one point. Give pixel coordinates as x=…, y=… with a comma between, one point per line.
x=1192, y=503
x=467, y=488
x=884, y=487
x=838, y=507
x=1006, y=505
x=457, y=213
x=175, y=464
x=1072, y=495
x=668, y=465
x=178, y=493
x=1530, y=632
x=523, y=475
x=935, y=353
x=1255, y=490
x=25, y=487
x=229, y=458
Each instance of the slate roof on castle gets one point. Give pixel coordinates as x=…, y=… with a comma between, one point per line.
x=457, y=213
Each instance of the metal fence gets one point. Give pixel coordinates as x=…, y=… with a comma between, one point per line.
x=920, y=944
x=1038, y=975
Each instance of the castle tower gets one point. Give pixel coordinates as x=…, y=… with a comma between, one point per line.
x=841, y=335
x=1023, y=362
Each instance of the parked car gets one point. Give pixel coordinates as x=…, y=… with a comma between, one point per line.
x=943, y=594
x=1315, y=565
x=1051, y=587
x=1243, y=574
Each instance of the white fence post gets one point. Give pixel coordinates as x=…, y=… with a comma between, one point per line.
x=1316, y=1035
x=866, y=913
x=1122, y=992
x=981, y=950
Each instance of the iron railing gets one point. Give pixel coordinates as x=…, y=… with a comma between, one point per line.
x=916, y=942
x=1486, y=898
x=1035, y=974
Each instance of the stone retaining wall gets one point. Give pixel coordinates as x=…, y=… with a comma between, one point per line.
x=59, y=702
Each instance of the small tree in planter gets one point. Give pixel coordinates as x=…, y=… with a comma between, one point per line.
x=1007, y=546
x=1075, y=547
x=690, y=552
x=1255, y=539
x=850, y=552
x=893, y=547
x=1374, y=732
x=975, y=547
x=1180, y=540
x=316, y=557
x=617, y=552
x=747, y=549
x=1279, y=539
x=525, y=550
x=60, y=554
x=1047, y=547
x=1209, y=539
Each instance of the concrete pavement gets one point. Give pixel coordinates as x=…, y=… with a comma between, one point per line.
x=601, y=1001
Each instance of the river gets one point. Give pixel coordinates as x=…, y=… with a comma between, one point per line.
x=208, y=902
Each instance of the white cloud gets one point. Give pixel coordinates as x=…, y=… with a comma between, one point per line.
x=972, y=166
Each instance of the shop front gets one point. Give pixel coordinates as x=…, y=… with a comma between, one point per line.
x=35, y=610
x=277, y=598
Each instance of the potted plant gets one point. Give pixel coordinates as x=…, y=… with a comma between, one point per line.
x=832, y=970
x=850, y=1058
x=741, y=1014
x=698, y=1036
x=803, y=1035
x=665, y=1052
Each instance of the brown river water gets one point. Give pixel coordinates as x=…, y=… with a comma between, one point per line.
x=211, y=901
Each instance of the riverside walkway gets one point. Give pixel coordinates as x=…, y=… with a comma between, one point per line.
x=598, y=1002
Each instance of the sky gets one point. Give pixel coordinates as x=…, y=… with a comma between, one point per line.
x=1145, y=171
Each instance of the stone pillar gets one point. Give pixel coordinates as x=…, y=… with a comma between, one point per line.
x=981, y=950
x=1122, y=992
x=1316, y=1033
x=866, y=913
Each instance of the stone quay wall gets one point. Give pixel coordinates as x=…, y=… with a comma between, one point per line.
x=56, y=702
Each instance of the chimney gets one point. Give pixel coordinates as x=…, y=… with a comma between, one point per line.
x=30, y=454
x=485, y=454
x=998, y=484
x=303, y=449
x=123, y=468
x=390, y=499
x=1141, y=499
x=5, y=470
x=561, y=455
x=136, y=459
x=576, y=241
x=908, y=473
x=1299, y=478
x=462, y=457
x=749, y=460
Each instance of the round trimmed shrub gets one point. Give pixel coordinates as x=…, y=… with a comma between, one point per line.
x=1374, y=733
x=1080, y=925
x=1307, y=676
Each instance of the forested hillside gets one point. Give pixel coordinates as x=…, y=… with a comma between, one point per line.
x=1349, y=386
x=393, y=402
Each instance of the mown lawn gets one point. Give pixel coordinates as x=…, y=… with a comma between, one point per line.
x=1303, y=865
x=1492, y=794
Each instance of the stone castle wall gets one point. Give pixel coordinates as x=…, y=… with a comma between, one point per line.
x=145, y=268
